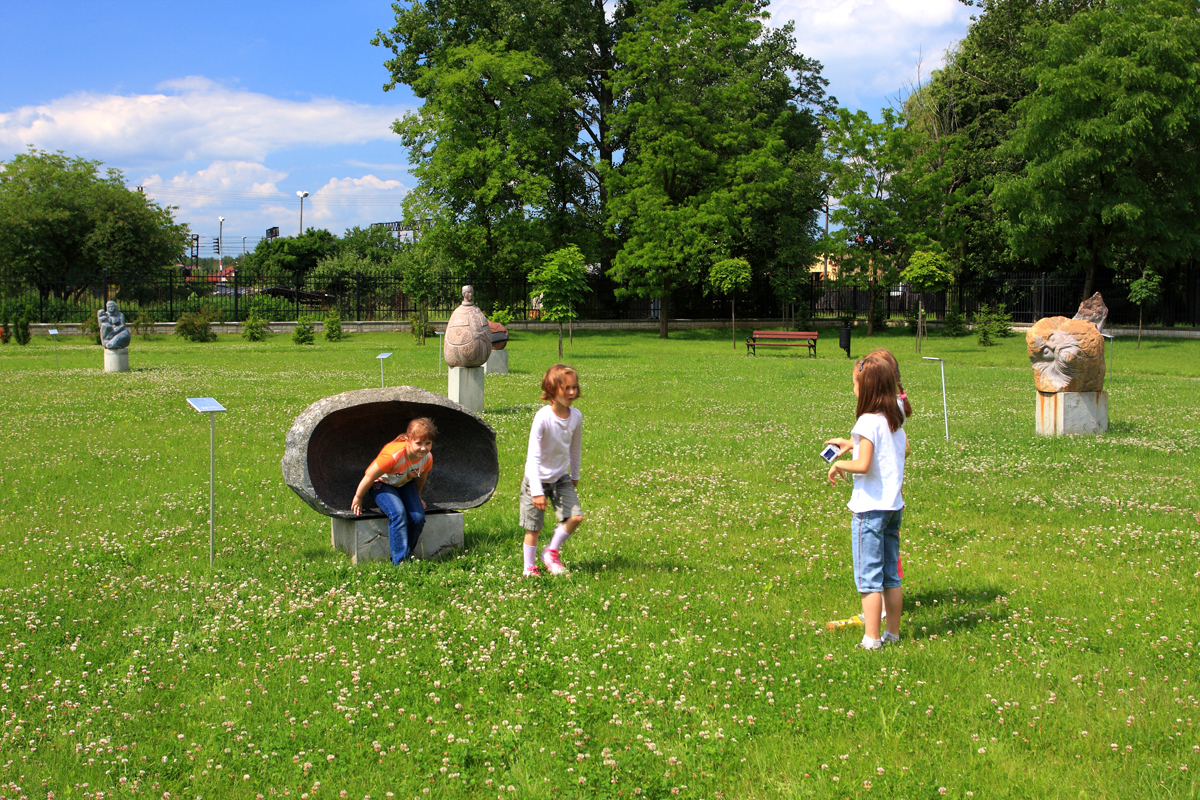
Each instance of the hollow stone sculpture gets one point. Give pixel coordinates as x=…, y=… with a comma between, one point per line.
x=332, y=441
x=113, y=333
x=468, y=336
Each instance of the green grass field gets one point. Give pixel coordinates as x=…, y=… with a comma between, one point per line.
x=1049, y=643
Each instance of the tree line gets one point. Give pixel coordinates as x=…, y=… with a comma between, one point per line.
x=672, y=141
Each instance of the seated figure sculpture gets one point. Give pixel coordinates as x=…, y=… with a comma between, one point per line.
x=113, y=333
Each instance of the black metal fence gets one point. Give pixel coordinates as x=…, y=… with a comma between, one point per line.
x=289, y=296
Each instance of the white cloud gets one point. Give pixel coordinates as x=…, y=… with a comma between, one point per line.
x=870, y=48
x=191, y=119
x=247, y=194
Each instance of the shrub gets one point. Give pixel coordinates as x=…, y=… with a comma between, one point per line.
x=420, y=327
x=143, y=326
x=91, y=328
x=501, y=316
x=196, y=326
x=333, y=327
x=912, y=316
x=21, y=329
x=991, y=323
x=956, y=324
x=303, y=332
x=255, y=328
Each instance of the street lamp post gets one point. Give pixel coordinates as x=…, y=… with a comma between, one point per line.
x=243, y=245
x=302, y=195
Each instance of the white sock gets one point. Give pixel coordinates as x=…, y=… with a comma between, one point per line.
x=871, y=644
x=890, y=637
x=559, y=537
x=530, y=555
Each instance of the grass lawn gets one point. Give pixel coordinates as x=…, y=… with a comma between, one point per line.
x=1049, y=642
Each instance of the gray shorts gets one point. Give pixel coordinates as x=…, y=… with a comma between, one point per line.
x=560, y=494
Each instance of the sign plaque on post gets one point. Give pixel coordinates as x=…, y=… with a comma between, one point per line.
x=207, y=405
x=381, y=357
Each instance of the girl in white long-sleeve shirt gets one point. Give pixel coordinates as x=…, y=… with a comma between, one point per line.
x=552, y=469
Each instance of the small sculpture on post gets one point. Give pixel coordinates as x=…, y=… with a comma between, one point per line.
x=113, y=333
x=468, y=336
x=1067, y=356
x=115, y=338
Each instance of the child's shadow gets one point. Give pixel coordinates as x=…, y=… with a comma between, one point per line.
x=935, y=612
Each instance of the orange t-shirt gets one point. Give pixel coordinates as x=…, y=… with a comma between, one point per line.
x=398, y=468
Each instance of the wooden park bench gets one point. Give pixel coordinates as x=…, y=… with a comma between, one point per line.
x=782, y=339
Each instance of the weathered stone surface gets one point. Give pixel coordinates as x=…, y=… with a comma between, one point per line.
x=497, y=363
x=1067, y=355
x=367, y=539
x=113, y=333
x=468, y=339
x=332, y=441
x=1094, y=311
x=499, y=335
x=465, y=387
x=1071, y=413
x=116, y=360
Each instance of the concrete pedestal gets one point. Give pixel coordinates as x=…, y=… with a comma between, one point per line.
x=497, y=363
x=116, y=360
x=466, y=387
x=367, y=539
x=1071, y=413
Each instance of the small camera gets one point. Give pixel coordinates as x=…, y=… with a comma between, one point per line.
x=830, y=452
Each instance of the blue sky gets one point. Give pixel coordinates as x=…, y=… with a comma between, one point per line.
x=227, y=109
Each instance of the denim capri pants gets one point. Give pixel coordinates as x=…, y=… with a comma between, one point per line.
x=875, y=542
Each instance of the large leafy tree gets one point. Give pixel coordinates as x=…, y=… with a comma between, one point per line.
x=957, y=122
x=295, y=254
x=865, y=162
x=62, y=220
x=519, y=141
x=1111, y=140
x=716, y=137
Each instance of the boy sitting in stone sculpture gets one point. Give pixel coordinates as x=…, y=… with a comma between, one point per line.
x=393, y=482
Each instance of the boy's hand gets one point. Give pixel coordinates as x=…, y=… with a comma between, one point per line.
x=539, y=502
x=833, y=472
x=575, y=483
x=356, y=506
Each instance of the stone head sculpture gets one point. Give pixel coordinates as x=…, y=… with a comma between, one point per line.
x=1067, y=355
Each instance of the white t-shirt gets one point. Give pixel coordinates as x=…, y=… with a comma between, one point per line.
x=555, y=446
x=878, y=489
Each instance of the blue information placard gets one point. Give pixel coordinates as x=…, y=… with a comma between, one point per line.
x=203, y=404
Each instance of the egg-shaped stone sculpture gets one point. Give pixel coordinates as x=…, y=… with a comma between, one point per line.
x=468, y=339
x=333, y=441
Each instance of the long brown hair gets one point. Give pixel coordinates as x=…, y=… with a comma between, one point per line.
x=877, y=390
x=887, y=356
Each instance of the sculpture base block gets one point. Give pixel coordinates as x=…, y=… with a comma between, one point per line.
x=497, y=363
x=466, y=387
x=367, y=539
x=1071, y=413
x=116, y=360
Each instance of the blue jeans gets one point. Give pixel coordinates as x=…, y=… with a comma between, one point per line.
x=405, y=513
x=875, y=542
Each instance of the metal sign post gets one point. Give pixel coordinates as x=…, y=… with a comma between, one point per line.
x=54, y=337
x=1112, y=340
x=207, y=405
x=439, y=351
x=945, y=408
x=381, y=357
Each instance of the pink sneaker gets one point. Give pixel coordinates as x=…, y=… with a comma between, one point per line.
x=531, y=572
x=553, y=563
